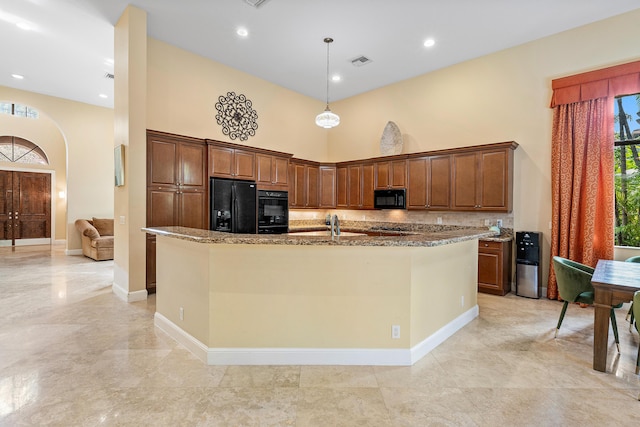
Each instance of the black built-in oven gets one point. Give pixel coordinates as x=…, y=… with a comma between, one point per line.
x=273, y=212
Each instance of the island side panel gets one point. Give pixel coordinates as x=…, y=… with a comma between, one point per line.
x=281, y=296
x=442, y=277
x=182, y=271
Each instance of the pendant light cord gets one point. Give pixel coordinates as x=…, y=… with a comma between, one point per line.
x=328, y=41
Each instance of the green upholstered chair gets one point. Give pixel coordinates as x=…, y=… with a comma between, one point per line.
x=574, y=285
x=630, y=313
x=636, y=311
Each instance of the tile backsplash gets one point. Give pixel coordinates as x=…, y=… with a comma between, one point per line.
x=473, y=219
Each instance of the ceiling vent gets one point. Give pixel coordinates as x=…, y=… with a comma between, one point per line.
x=108, y=76
x=254, y=3
x=360, y=61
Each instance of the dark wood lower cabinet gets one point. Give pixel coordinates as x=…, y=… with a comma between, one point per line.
x=494, y=267
x=151, y=263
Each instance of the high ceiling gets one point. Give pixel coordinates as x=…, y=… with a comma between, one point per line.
x=67, y=49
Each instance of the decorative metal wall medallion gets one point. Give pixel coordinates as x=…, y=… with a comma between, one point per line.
x=235, y=115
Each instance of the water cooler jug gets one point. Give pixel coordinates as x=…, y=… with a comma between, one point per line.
x=528, y=274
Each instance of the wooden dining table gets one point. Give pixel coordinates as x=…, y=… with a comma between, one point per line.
x=613, y=282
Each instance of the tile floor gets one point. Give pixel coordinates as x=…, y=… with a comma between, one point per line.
x=73, y=354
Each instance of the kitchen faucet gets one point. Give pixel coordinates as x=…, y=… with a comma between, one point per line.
x=335, y=226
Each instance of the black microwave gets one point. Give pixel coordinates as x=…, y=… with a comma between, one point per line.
x=390, y=199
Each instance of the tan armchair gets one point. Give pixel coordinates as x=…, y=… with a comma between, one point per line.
x=97, y=238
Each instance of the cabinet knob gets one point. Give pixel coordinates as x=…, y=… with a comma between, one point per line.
x=485, y=245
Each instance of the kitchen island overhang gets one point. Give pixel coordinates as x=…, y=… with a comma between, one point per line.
x=294, y=300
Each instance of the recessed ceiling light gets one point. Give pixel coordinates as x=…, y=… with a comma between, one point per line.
x=336, y=78
x=102, y=95
x=242, y=32
x=17, y=76
x=429, y=42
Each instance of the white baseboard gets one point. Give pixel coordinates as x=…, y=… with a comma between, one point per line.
x=60, y=242
x=313, y=356
x=73, y=252
x=442, y=334
x=127, y=296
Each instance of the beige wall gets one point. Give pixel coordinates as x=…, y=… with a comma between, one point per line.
x=499, y=97
x=87, y=131
x=183, y=89
x=43, y=132
x=325, y=297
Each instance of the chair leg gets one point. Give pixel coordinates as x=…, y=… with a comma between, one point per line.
x=632, y=317
x=614, y=325
x=562, y=313
x=629, y=313
x=638, y=363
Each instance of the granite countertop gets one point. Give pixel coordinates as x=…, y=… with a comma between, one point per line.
x=412, y=235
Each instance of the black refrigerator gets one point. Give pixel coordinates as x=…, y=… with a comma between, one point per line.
x=233, y=206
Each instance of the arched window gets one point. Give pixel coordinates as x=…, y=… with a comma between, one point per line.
x=18, y=150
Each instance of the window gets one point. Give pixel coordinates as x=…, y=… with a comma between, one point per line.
x=18, y=110
x=17, y=150
x=627, y=170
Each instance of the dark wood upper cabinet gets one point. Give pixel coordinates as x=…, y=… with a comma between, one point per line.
x=304, y=184
x=327, y=186
x=483, y=179
x=429, y=182
x=354, y=178
x=368, y=183
x=391, y=174
x=272, y=172
x=342, y=187
x=227, y=162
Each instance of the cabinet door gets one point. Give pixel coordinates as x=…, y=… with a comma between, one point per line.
x=244, y=165
x=398, y=174
x=192, y=209
x=355, y=186
x=221, y=162
x=439, y=182
x=312, y=175
x=417, y=191
x=368, y=183
x=494, y=170
x=162, y=207
x=489, y=269
x=192, y=166
x=382, y=175
x=327, y=187
x=342, y=187
x=279, y=168
x=494, y=267
x=264, y=169
x=151, y=263
x=300, y=195
x=465, y=181
x=161, y=163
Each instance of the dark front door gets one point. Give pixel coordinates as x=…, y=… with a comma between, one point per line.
x=25, y=208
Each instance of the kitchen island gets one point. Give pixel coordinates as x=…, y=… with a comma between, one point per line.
x=304, y=299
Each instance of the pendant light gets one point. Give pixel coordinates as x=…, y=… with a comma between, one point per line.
x=327, y=119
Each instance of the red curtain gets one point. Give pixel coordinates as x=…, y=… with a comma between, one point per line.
x=582, y=163
x=582, y=167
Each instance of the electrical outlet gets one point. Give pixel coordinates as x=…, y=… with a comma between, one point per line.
x=499, y=223
x=462, y=301
x=487, y=222
x=395, y=332
x=439, y=220
x=122, y=221
x=181, y=313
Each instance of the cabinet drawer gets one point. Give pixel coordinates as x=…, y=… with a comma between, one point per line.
x=488, y=244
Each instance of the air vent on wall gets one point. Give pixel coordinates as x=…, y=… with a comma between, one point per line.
x=255, y=3
x=108, y=75
x=360, y=61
